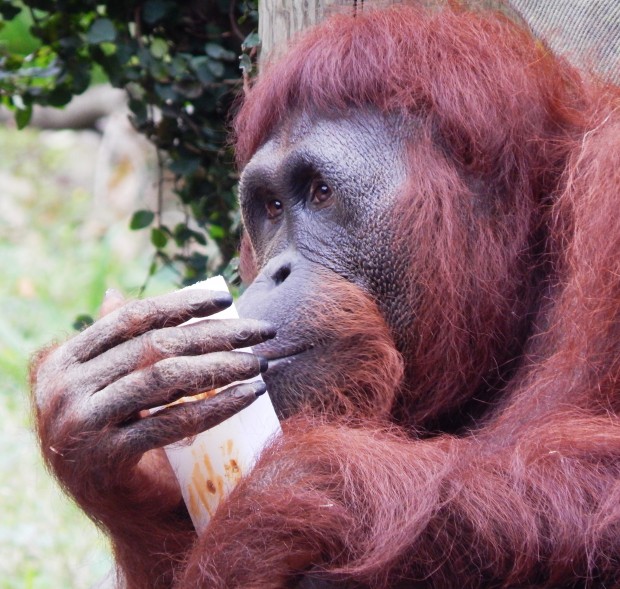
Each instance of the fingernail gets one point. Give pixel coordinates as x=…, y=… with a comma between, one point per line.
x=263, y=363
x=267, y=330
x=222, y=299
x=260, y=388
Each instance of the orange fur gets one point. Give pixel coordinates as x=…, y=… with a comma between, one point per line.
x=493, y=456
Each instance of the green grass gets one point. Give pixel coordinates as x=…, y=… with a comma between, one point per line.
x=54, y=265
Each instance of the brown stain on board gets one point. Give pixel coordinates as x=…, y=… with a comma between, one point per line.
x=232, y=470
x=193, y=500
x=207, y=487
x=208, y=466
x=197, y=491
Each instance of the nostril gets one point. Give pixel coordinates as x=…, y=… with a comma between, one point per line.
x=281, y=274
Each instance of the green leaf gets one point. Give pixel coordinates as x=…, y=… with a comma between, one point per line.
x=125, y=50
x=80, y=78
x=158, y=238
x=18, y=102
x=185, y=166
x=145, y=58
x=199, y=237
x=201, y=66
x=165, y=92
x=218, y=52
x=181, y=234
x=23, y=116
x=216, y=67
x=216, y=232
x=252, y=40
x=154, y=10
x=108, y=49
x=141, y=219
x=139, y=110
x=159, y=48
x=59, y=96
x=135, y=91
x=172, y=65
x=71, y=43
x=245, y=64
x=101, y=30
x=197, y=262
x=82, y=321
x=179, y=66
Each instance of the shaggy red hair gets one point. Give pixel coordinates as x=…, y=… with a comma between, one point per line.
x=514, y=235
x=495, y=460
x=483, y=90
x=512, y=117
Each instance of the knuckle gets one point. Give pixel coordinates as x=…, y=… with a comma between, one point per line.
x=243, y=335
x=134, y=313
x=61, y=427
x=169, y=372
x=50, y=378
x=163, y=343
x=41, y=357
x=197, y=299
x=213, y=370
x=239, y=363
x=82, y=418
x=253, y=331
x=250, y=361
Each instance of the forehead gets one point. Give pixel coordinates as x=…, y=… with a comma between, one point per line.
x=339, y=146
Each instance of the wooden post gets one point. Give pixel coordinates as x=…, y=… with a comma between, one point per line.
x=582, y=29
x=279, y=20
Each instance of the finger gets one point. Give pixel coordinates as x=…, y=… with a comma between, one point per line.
x=112, y=300
x=168, y=380
x=139, y=316
x=203, y=337
x=175, y=423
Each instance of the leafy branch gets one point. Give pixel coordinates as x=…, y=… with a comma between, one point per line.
x=181, y=64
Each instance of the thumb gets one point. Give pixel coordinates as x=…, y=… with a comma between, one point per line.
x=112, y=300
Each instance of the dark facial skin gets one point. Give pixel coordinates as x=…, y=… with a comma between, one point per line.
x=315, y=199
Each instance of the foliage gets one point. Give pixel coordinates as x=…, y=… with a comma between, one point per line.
x=179, y=62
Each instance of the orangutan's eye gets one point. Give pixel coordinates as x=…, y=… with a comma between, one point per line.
x=320, y=192
x=274, y=208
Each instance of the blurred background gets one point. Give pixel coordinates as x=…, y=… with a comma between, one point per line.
x=66, y=198
x=130, y=188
